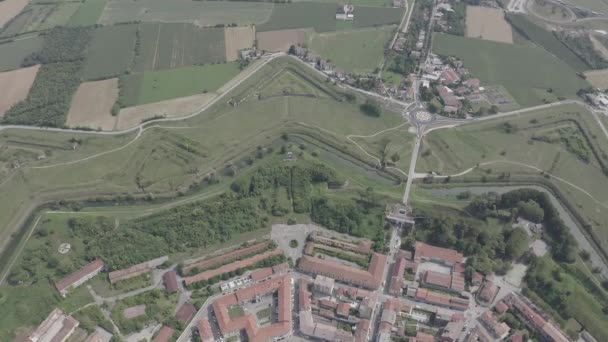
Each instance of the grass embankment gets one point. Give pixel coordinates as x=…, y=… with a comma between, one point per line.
x=530, y=74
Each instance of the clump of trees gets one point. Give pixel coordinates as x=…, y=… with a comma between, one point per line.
x=62, y=44
x=371, y=108
x=49, y=99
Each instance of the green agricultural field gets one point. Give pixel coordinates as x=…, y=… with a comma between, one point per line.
x=322, y=17
x=549, y=140
x=546, y=40
x=88, y=13
x=376, y=16
x=168, y=84
x=526, y=72
x=358, y=51
x=13, y=53
x=167, y=46
x=60, y=16
x=202, y=13
x=110, y=52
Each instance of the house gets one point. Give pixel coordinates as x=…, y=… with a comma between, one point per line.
x=324, y=285
x=345, y=12
x=57, y=327
x=185, y=313
x=170, y=281
x=79, y=277
x=136, y=270
x=164, y=334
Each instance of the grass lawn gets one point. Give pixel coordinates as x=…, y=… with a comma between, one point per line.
x=168, y=84
x=88, y=13
x=264, y=314
x=236, y=311
x=503, y=64
x=357, y=51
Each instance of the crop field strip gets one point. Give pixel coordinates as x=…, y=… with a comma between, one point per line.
x=166, y=46
x=88, y=13
x=322, y=17
x=110, y=52
x=202, y=13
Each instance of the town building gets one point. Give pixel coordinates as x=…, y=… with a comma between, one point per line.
x=370, y=279
x=204, y=331
x=248, y=323
x=164, y=334
x=79, y=277
x=324, y=285
x=185, y=312
x=345, y=12
x=170, y=281
x=136, y=270
x=499, y=330
x=57, y=327
x=534, y=319
x=444, y=256
x=487, y=293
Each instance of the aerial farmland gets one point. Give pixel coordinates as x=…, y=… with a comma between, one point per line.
x=306, y=170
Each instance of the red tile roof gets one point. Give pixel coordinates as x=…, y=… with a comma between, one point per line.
x=343, y=309
x=433, y=253
x=422, y=337
x=170, y=281
x=185, y=312
x=73, y=278
x=501, y=307
x=164, y=335
x=362, y=330
x=440, y=299
x=280, y=268
x=261, y=274
x=204, y=330
x=370, y=279
x=303, y=295
x=224, y=257
x=248, y=322
x=488, y=292
x=328, y=303
x=231, y=267
x=437, y=279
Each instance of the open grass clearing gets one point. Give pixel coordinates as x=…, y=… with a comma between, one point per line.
x=201, y=13
x=488, y=23
x=110, y=52
x=13, y=53
x=155, y=86
x=500, y=64
x=103, y=94
x=357, y=51
x=15, y=86
x=88, y=13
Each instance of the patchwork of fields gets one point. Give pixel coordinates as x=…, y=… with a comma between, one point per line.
x=103, y=94
x=528, y=73
x=15, y=86
x=201, y=13
x=322, y=17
